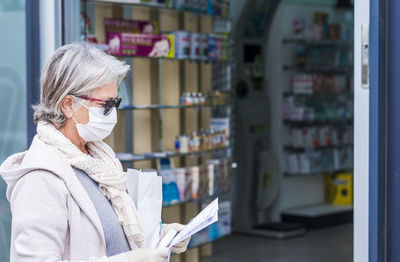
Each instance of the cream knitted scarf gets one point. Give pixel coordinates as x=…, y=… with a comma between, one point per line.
x=104, y=168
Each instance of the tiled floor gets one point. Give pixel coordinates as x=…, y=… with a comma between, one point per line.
x=325, y=245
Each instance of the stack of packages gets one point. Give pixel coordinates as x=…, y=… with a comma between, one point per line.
x=141, y=38
x=194, y=182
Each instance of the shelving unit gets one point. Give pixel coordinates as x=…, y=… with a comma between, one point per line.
x=153, y=116
x=320, y=93
x=319, y=173
x=145, y=107
x=137, y=3
x=302, y=148
x=319, y=122
x=320, y=70
x=128, y=157
x=319, y=42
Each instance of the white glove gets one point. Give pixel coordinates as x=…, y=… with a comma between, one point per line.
x=181, y=246
x=147, y=255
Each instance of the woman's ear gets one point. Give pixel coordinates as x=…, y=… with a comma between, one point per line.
x=67, y=106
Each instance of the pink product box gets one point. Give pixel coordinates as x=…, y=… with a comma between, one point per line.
x=129, y=26
x=128, y=44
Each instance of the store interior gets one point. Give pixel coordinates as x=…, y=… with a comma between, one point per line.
x=250, y=102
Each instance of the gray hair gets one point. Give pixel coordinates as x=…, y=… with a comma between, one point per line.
x=74, y=69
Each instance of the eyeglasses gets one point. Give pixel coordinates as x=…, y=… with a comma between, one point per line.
x=108, y=104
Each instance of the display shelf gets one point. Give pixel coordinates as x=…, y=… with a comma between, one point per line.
x=318, y=42
x=318, y=94
x=302, y=148
x=318, y=122
x=129, y=157
x=345, y=170
x=197, y=200
x=147, y=107
x=152, y=7
x=197, y=61
x=321, y=69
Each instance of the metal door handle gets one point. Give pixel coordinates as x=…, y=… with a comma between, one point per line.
x=365, y=56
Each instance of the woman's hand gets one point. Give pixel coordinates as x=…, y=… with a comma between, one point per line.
x=147, y=255
x=181, y=246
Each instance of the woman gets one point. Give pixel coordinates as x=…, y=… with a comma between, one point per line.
x=68, y=191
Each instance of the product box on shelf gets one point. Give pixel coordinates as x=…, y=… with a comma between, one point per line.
x=188, y=184
x=214, y=175
x=227, y=174
x=212, y=47
x=182, y=41
x=219, y=47
x=292, y=163
x=180, y=174
x=218, y=229
x=223, y=226
x=195, y=171
x=204, y=47
x=147, y=45
x=218, y=7
x=130, y=26
x=302, y=84
x=222, y=26
x=199, y=6
x=211, y=178
x=201, y=237
x=203, y=187
x=221, y=124
x=160, y=3
x=343, y=158
x=169, y=182
x=195, y=46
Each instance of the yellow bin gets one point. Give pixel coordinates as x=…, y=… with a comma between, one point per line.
x=339, y=188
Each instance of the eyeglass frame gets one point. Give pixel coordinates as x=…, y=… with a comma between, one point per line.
x=108, y=104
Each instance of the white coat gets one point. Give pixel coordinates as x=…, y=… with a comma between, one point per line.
x=53, y=217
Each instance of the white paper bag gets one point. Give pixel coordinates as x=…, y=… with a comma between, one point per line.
x=145, y=188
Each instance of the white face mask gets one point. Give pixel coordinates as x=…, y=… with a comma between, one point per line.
x=99, y=125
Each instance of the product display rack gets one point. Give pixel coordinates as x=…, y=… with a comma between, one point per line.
x=151, y=6
x=318, y=94
x=302, y=148
x=320, y=42
x=319, y=173
x=197, y=200
x=145, y=107
x=179, y=59
x=128, y=157
x=321, y=70
x=317, y=69
x=318, y=122
x=154, y=116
